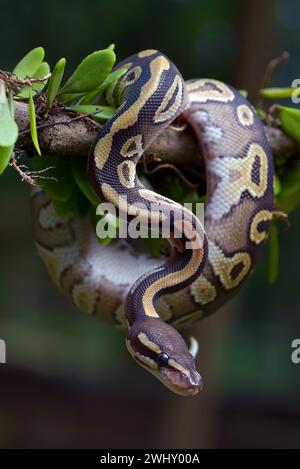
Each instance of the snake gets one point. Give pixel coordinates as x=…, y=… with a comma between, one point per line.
x=122, y=284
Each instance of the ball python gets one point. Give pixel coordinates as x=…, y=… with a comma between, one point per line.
x=123, y=285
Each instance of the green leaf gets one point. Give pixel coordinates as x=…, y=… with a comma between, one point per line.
x=244, y=93
x=277, y=93
x=59, y=188
x=145, y=181
x=276, y=185
x=32, y=122
x=55, y=81
x=90, y=73
x=99, y=112
x=273, y=265
x=175, y=190
x=5, y=155
x=261, y=113
x=281, y=160
x=94, y=220
x=104, y=241
x=154, y=246
x=30, y=63
x=89, y=98
x=202, y=199
x=290, y=121
x=63, y=209
x=111, y=220
x=8, y=127
x=75, y=205
x=41, y=72
x=111, y=46
x=80, y=205
x=70, y=97
x=108, y=218
x=79, y=171
x=66, y=197
x=289, y=196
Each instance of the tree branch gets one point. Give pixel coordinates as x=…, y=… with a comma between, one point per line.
x=65, y=135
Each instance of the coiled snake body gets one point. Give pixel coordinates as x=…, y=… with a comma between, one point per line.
x=156, y=296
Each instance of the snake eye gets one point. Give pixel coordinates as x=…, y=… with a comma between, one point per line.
x=163, y=359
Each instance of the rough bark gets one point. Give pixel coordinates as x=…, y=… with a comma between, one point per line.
x=64, y=134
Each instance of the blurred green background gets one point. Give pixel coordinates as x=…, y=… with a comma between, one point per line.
x=69, y=382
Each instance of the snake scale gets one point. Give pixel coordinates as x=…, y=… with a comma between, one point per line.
x=126, y=287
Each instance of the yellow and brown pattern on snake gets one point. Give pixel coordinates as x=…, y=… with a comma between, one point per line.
x=238, y=209
x=239, y=169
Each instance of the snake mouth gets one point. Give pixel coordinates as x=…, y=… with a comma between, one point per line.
x=181, y=384
x=177, y=382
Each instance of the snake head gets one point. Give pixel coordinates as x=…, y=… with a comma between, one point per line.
x=160, y=349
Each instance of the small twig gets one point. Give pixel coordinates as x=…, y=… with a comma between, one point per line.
x=269, y=70
x=13, y=80
x=24, y=176
x=37, y=174
x=269, y=119
x=181, y=176
x=30, y=176
x=267, y=75
x=65, y=122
